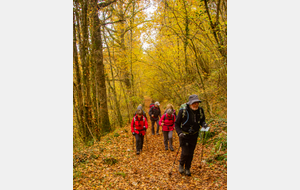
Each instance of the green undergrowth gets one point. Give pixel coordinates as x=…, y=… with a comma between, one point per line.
x=216, y=140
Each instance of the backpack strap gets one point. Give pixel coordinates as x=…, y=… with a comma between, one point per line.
x=166, y=116
x=135, y=121
x=184, y=112
x=187, y=113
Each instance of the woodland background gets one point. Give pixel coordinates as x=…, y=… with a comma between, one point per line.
x=37, y=88
x=122, y=53
x=126, y=53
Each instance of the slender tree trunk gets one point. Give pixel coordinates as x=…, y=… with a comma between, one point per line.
x=120, y=119
x=83, y=46
x=79, y=84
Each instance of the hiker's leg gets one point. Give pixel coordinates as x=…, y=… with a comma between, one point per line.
x=170, y=136
x=142, y=141
x=157, y=131
x=191, y=147
x=152, y=127
x=138, y=142
x=165, y=133
x=184, y=151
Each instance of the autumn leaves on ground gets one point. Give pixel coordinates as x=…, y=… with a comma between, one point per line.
x=112, y=163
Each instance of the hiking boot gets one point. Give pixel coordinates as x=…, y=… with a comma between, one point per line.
x=157, y=133
x=137, y=152
x=187, y=172
x=180, y=169
x=171, y=148
x=166, y=148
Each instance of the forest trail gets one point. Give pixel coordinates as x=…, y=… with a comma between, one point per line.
x=112, y=163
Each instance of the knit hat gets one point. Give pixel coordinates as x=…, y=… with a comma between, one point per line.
x=157, y=103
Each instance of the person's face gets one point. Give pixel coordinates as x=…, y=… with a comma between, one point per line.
x=156, y=105
x=169, y=114
x=139, y=116
x=194, y=106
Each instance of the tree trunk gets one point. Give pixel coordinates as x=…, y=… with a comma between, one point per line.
x=98, y=61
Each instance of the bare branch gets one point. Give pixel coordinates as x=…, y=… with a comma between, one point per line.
x=105, y=4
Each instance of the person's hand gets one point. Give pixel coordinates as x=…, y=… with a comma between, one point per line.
x=133, y=133
x=182, y=135
x=162, y=124
x=152, y=115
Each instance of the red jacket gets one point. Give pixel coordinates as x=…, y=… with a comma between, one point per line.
x=137, y=126
x=169, y=123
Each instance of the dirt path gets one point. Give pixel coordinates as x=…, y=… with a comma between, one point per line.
x=113, y=164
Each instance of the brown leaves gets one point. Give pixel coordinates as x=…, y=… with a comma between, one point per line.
x=111, y=163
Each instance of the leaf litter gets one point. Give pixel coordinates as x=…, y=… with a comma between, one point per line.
x=112, y=164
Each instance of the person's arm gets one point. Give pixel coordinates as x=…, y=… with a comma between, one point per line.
x=146, y=124
x=174, y=121
x=161, y=121
x=178, y=122
x=159, y=112
x=150, y=112
x=132, y=123
x=202, y=121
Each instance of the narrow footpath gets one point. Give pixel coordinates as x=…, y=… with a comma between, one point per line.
x=112, y=163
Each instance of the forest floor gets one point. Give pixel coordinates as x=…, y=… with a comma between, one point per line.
x=112, y=163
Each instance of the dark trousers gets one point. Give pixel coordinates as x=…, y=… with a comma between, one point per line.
x=188, y=145
x=152, y=127
x=139, y=141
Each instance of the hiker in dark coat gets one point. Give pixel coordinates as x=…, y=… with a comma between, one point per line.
x=188, y=122
x=139, y=126
x=167, y=122
x=170, y=106
x=140, y=108
x=155, y=114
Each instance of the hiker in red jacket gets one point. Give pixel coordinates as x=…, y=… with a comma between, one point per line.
x=167, y=121
x=139, y=126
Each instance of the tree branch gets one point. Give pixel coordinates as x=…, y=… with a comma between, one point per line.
x=113, y=22
x=105, y=4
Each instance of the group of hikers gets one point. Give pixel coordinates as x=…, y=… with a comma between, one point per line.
x=187, y=125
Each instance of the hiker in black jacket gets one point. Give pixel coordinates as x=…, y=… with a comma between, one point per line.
x=188, y=122
x=155, y=114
